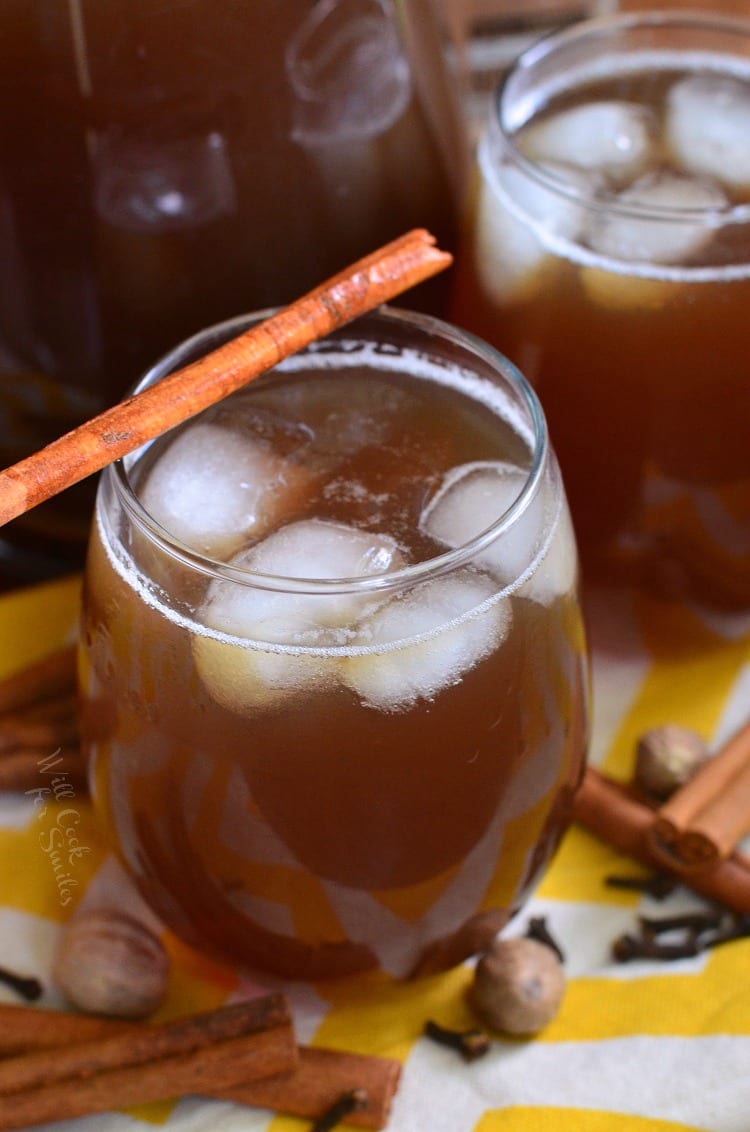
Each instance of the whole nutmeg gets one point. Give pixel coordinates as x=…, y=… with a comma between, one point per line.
x=666, y=758
x=518, y=986
x=107, y=962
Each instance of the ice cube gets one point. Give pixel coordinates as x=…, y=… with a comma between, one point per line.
x=150, y=185
x=348, y=74
x=517, y=220
x=658, y=239
x=612, y=138
x=626, y=290
x=214, y=487
x=557, y=571
x=708, y=127
x=470, y=499
x=319, y=549
x=278, y=643
x=339, y=415
x=426, y=639
x=539, y=544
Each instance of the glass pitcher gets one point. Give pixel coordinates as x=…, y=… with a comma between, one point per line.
x=168, y=163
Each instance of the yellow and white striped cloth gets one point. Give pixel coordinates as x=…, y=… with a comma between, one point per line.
x=641, y=1047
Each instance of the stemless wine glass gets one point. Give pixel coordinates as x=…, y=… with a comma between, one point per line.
x=609, y=257
x=334, y=673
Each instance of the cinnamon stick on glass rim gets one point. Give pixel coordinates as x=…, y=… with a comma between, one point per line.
x=607, y=810
x=703, y=821
x=375, y=279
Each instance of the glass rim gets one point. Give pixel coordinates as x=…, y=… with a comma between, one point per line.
x=117, y=472
x=592, y=28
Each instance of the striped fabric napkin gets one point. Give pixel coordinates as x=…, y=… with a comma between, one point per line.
x=646, y=1046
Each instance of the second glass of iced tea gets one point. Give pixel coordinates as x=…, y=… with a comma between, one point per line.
x=609, y=257
x=333, y=663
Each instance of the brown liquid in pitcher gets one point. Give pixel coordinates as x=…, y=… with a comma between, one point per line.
x=165, y=165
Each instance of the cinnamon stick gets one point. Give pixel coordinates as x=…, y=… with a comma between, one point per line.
x=62, y=707
x=39, y=731
x=373, y=280
x=320, y=1077
x=23, y=769
x=702, y=822
x=18, y=731
x=608, y=811
x=171, y=1059
x=53, y=675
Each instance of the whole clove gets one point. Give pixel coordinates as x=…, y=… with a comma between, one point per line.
x=699, y=931
x=735, y=927
x=629, y=946
x=537, y=929
x=349, y=1102
x=471, y=1044
x=28, y=987
x=658, y=885
x=696, y=922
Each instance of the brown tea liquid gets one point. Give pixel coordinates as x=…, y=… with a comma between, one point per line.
x=378, y=784
x=632, y=330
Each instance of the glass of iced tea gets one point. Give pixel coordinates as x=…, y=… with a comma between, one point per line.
x=609, y=257
x=333, y=664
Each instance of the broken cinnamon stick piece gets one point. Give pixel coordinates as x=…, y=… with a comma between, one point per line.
x=375, y=279
x=51, y=676
x=702, y=822
x=608, y=811
x=171, y=1059
x=320, y=1077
